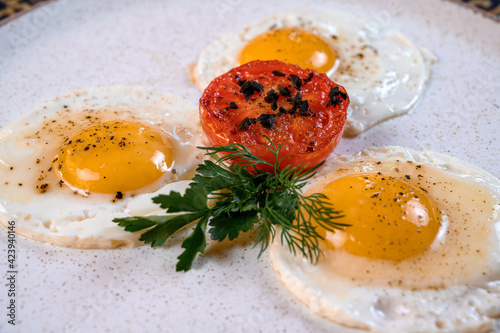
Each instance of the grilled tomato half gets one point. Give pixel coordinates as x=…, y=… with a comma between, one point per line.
x=298, y=109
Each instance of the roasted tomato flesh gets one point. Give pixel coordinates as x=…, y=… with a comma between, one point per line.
x=299, y=109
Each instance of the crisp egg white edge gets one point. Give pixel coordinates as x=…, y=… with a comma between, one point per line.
x=371, y=101
x=93, y=227
x=98, y=231
x=438, y=315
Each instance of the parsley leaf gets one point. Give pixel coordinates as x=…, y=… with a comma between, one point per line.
x=231, y=224
x=211, y=177
x=194, y=243
x=163, y=226
x=242, y=198
x=194, y=200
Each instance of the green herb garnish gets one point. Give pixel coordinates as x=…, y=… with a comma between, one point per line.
x=243, y=198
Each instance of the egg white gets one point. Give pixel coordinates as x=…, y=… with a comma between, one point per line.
x=57, y=214
x=453, y=286
x=384, y=74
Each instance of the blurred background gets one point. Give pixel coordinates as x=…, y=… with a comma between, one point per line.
x=9, y=8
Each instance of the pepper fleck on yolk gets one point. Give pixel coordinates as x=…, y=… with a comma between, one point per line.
x=293, y=46
x=115, y=156
x=390, y=218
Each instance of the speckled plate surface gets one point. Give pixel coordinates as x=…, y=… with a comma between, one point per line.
x=69, y=45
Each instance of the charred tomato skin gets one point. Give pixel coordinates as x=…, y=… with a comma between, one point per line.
x=300, y=109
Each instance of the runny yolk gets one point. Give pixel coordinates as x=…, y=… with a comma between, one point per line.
x=290, y=45
x=115, y=156
x=390, y=219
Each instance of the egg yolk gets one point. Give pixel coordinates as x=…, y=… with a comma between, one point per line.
x=293, y=46
x=389, y=218
x=112, y=157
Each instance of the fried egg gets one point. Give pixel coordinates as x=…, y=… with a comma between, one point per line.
x=72, y=164
x=421, y=254
x=384, y=75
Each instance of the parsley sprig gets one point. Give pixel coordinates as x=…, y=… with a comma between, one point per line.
x=230, y=195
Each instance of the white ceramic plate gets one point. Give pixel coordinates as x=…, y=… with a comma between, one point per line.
x=68, y=45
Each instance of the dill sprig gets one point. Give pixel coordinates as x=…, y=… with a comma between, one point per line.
x=243, y=198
